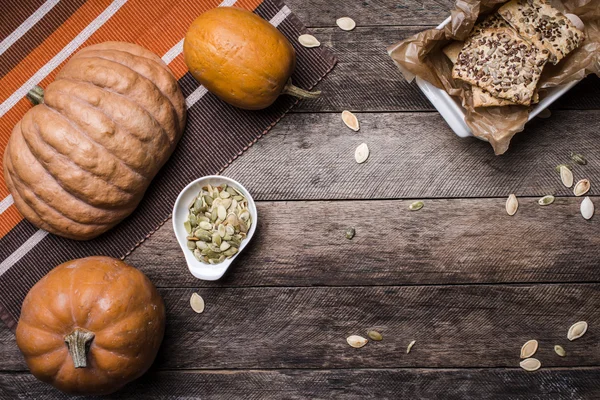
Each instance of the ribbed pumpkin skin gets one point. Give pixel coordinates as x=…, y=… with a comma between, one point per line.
x=113, y=300
x=80, y=163
x=239, y=57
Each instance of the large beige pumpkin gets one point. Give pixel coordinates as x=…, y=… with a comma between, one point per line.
x=80, y=163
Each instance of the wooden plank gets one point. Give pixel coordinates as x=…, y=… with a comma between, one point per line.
x=454, y=326
x=360, y=384
x=447, y=242
x=320, y=13
x=413, y=155
x=366, y=79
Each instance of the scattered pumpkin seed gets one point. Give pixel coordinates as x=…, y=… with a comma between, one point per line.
x=362, y=153
x=546, y=200
x=356, y=341
x=197, y=303
x=350, y=233
x=374, y=335
x=578, y=158
x=529, y=348
x=512, y=204
x=530, y=364
x=416, y=206
x=346, y=23
x=577, y=330
x=410, y=346
x=581, y=187
x=559, y=350
x=220, y=219
x=566, y=176
x=307, y=40
x=350, y=120
x=587, y=208
x=559, y=166
x=545, y=113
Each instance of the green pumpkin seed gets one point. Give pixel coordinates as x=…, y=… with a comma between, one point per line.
x=238, y=198
x=350, y=233
x=214, y=215
x=216, y=239
x=224, y=195
x=224, y=246
x=191, y=244
x=417, y=205
x=188, y=226
x=560, y=350
x=546, y=200
x=578, y=158
x=230, y=251
x=374, y=335
x=201, y=245
x=208, y=200
x=198, y=207
x=193, y=220
x=231, y=191
x=205, y=225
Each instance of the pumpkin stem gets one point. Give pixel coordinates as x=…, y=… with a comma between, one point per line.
x=78, y=343
x=300, y=93
x=36, y=95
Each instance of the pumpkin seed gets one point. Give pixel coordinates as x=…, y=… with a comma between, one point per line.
x=350, y=233
x=578, y=158
x=559, y=350
x=577, y=330
x=559, y=166
x=356, y=341
x=546, y=200
x=416, y=206
x=346, y=23
x=410, y=346
x=545, y=113
x=530, y=364
x=529, y=348
x=222, y=218
x=207, y=226
x=512, y=204
x=566, y=176
x=197, y=303
x=350, y=120
x=362, y=153
x=581, y=187
x=307, y=40
x=374, y=335
x=587, y=208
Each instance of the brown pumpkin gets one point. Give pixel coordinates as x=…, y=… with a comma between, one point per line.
x=91, y=325
x=79, y=163
x=241, y=58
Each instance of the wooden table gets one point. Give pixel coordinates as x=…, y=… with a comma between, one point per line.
x=466, y=281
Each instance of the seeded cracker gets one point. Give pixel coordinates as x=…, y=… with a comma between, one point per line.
x=502, y=63
x=544, y=26
x=481, y=98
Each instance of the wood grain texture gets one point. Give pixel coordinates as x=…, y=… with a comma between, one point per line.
x=357, y=384
x=322, y=13
x=454, y=326
x=366, y=79
x=413, y=155
x=448, y=241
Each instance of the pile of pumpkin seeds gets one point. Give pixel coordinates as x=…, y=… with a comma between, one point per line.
x=217, y=223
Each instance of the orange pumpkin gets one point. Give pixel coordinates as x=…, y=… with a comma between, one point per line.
x=241, y=58
x=91, y=325
x=80, y=163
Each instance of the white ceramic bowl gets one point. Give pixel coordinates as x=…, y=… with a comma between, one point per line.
x=451, y=110
x=200, y=270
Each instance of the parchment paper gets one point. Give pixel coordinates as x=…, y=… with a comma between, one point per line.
x=421, y=55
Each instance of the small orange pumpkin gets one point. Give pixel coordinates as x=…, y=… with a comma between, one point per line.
x=91, y=325
x=241, y=58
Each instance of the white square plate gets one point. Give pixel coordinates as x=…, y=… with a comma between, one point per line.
x=453, y=112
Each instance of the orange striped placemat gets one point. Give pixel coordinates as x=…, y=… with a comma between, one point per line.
x=38, y=37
